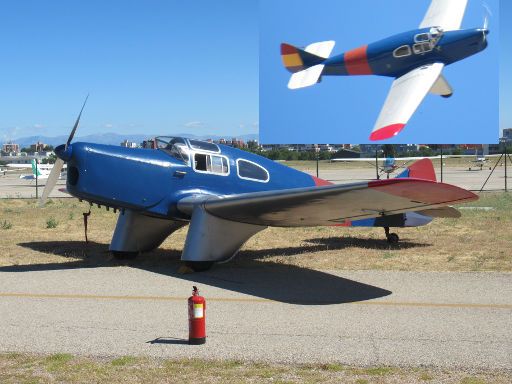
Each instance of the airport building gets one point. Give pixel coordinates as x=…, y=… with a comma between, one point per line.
x=129, y=144
x=507, y=136
x=10, y=149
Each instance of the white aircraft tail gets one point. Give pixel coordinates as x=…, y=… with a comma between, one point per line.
x=305, y=64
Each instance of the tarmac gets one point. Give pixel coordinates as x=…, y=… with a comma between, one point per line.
x=11, y=186
x=270, y=313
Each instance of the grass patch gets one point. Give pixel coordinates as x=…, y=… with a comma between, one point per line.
x=6, y=224
x=57, y=362
x=51, y=223
x=124, y=360
x=373, y=371
x=473, y=380
x=65, y=368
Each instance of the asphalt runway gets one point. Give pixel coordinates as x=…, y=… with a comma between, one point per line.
x=462, y=177
x=264, y=313
x=11, y=186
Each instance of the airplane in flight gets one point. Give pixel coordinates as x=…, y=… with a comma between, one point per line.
x=415, y=59
x=228, y=195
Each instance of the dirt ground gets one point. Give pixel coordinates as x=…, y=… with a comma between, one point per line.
x=481, y=240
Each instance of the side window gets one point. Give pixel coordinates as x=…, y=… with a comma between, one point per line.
x=252, y=171
x=200, y=162
x=422, y=48
x=211, y=163
x=402, y=51
x=421, y=37
x=217, y=165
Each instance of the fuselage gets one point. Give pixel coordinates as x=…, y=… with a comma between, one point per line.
x=399, y=54
x=153, y=181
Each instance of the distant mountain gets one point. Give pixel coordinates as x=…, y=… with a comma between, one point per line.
x=116, y=139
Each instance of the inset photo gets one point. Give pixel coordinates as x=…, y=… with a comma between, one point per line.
x=379, y=72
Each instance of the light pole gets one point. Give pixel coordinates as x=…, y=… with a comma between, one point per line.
x=317, y=150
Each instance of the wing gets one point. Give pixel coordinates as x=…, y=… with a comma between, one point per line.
x=331, y=205
x=406, y=94
x=447, y=14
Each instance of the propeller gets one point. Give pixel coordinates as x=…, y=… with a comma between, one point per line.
x=485, y=28
x=59, y=163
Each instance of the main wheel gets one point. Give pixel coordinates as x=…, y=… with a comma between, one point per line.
x=199, y=266
x=393, y=238
x=120, y=255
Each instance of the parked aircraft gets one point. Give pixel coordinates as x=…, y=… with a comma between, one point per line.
x=228, y=195
x=41, y=171
x=415, y=59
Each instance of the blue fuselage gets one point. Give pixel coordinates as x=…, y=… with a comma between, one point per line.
x=153, y=181
x=399, y=54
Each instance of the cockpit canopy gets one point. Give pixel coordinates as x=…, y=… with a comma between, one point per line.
x=423, y=42
x=180, y=147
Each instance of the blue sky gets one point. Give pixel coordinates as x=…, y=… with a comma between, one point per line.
x=150, y=66
x=344, y=109
x=506, y=65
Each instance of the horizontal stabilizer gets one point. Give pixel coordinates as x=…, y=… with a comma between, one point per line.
x=306, y=77
x=321, y=49
x=443, y=212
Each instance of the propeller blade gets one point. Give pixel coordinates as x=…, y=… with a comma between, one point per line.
x=52, y=180
x=76, y=124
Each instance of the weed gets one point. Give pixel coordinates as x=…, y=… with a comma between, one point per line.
x=426, y=377
x=472, y=380
x=51, y=223
x=124, y=360
x=6, y=224
x=387, y=255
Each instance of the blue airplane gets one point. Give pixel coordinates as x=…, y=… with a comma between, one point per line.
x=228, y=195
x=415, y=59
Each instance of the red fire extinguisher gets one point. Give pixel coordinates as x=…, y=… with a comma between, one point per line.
x=196, y=318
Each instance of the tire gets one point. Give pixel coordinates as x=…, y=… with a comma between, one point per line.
x=199, y=266
x=120, y=255
x=393, y=238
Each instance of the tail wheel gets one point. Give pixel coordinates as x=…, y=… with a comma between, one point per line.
x=393, y=238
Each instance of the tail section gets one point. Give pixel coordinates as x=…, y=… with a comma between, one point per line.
x=421, y=169
x=35, y=170
x=305, y=64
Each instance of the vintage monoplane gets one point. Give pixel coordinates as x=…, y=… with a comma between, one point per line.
x=415, y=59
x=228, y=195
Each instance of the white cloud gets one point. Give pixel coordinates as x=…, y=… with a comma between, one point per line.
x=194, y=124
x=108, y=125
x=38, y=126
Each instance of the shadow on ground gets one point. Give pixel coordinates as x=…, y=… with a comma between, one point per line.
x=265, y=279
